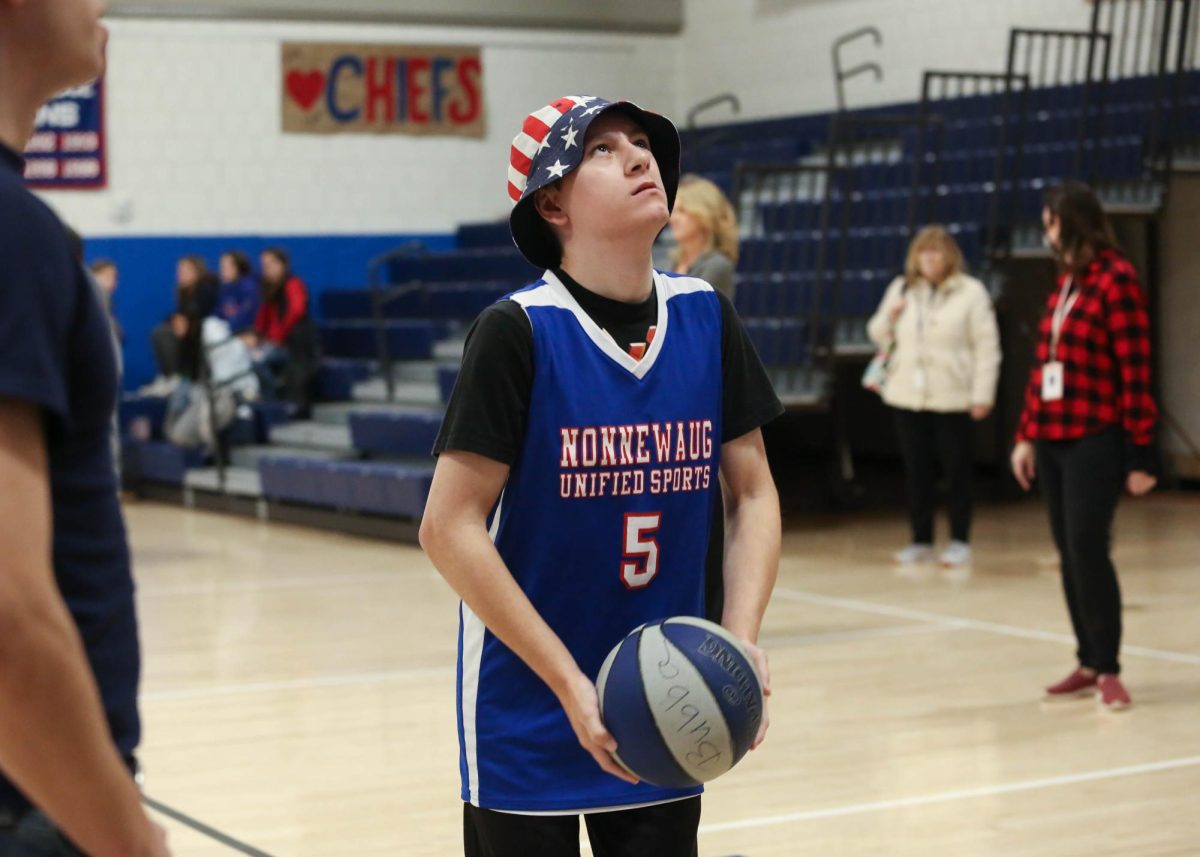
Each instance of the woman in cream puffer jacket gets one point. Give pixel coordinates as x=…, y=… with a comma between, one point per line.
x=942, y=374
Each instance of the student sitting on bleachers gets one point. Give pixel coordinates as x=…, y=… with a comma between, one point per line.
x=191, y=416
x=237, y=301
x=195, y=299
x=284, y=337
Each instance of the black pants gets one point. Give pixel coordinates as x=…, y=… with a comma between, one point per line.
x=165, y=345
x=34, y=835
x=1081, y=481
x=289, y=371
x=928, y=438
x=663, y=830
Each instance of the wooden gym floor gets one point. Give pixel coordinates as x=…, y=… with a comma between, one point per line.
x=299, y=695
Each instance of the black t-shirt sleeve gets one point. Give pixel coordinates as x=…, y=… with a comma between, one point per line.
x=35, y=308
x=750, y=400
x=489, y=407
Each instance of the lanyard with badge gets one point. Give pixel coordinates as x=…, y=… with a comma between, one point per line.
x=1052, y=372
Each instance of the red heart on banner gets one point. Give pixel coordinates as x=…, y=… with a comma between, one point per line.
x=305, y=87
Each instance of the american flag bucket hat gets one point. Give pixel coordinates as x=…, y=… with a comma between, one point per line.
x=550, y=145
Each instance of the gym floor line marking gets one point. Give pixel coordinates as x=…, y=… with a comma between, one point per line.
x=957, y=795
x=200, y=827
x=296, y=684
x=781, y=642
x=158, y=591
x=971, y=624
x=773, y=641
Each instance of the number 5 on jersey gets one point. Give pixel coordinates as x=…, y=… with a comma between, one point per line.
x=639, y=550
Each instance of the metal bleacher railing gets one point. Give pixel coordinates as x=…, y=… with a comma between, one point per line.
x=987, y=145
x=1070, y=68
x=783, y=210
x=704, y=142
x=820, y=240
x=879, y=180
x=988, y=117
x=840, y=75
x=819, y=244
x=382, y=293
x=1155, y=40
x=212, y=388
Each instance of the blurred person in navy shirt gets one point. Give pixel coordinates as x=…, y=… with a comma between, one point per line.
x=237, y=299
x=69, y=655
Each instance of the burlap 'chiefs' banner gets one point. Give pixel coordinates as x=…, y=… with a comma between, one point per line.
x=382, y=89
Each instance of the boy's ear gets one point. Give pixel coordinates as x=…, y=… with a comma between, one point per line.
x=548, y=204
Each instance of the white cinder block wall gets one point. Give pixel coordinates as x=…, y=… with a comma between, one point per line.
x=775, y=54
x=194, y=144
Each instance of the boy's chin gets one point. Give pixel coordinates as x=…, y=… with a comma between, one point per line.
x=654, y=216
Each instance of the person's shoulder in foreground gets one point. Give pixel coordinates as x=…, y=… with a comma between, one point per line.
x=66, y=573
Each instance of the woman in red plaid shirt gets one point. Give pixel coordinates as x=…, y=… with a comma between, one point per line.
x=1088, y=424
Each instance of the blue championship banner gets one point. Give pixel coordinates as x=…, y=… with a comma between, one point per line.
x=66, y=150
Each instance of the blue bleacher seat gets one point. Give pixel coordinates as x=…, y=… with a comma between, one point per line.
x=390, y=489
x=460, y=265
x=337, y=376
x=338, y=304
x=134, y=407
x=441, y=300
x=394, y=433
x=790, y=216
x=158, y=461
x=379, y=488
x=779, y=342
x=407, y=339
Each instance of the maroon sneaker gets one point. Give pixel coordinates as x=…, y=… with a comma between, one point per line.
x=1113, y=694
x=1077, y=684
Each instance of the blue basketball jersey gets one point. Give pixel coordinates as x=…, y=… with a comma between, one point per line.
x=604, y=523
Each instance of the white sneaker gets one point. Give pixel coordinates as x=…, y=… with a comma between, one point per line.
x=957, y=555
x=152, y=388
x=160, y=386
x=915, y=555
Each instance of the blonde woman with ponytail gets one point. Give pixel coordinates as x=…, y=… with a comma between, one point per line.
x=705, y=228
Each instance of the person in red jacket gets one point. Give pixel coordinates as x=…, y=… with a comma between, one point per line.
x=1087, y=429
x=285, y=329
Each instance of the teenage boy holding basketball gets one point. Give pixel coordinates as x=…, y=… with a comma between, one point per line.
x=596, y=411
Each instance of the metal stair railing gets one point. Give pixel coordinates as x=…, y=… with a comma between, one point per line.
x=382, y=294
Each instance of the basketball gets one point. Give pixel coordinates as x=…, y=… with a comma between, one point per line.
x=683, y=700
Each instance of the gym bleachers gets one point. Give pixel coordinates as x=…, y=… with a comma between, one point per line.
x=363, y=453
x=781, y=233
x=359, y=453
